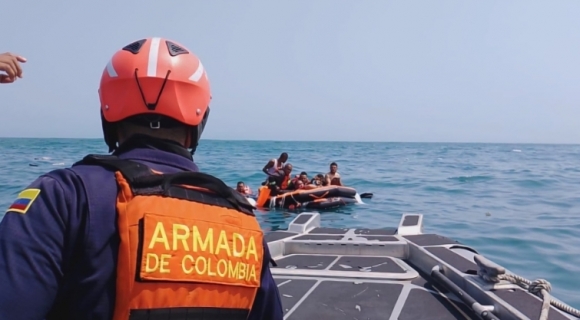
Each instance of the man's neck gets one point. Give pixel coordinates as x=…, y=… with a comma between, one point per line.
x=145, y=141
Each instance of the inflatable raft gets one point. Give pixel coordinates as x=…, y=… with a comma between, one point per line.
x=336, y=274
x=318, y=198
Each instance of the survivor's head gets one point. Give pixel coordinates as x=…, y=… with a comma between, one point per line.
x=333, y=167
x=287, y=169
x=283, y=157
x=304, y=177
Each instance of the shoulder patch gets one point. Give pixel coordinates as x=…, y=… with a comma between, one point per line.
x=23, y=201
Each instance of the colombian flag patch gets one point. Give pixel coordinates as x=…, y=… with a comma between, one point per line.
x=24, y=200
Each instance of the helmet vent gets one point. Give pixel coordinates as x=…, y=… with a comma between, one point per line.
x=135, y=46
x=175, y=49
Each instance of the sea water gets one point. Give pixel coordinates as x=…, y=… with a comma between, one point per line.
x=518, y=204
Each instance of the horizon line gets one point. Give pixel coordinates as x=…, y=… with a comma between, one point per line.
x=325, y=141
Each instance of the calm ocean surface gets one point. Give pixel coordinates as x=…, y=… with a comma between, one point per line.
x=518, y=204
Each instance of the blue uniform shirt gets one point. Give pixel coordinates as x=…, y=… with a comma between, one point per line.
x=58, y=259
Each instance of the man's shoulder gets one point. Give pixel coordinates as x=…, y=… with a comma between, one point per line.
x=73, y=178
x=63, y=176
x=52, y=191
x=62, y=181
x=85, y=171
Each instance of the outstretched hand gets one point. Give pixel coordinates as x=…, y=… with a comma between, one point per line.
x=10, y=64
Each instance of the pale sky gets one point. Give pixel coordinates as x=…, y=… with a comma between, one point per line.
x=443, y=71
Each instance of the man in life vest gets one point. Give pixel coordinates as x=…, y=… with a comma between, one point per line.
x=280, y=180
x=272, y=167
x=139, y=234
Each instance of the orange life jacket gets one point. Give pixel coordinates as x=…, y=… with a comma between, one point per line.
x=284, y=185
x=263, y=196
x=190, y=245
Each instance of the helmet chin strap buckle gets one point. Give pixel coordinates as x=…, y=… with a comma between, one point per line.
x=155, y=124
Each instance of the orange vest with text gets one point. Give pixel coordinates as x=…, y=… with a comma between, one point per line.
x=190, y=248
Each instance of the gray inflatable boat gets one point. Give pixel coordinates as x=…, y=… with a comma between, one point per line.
x=363, y=274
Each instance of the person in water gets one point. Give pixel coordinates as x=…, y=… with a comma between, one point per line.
x=10, y=65
x=274, y=165
x=333, y=177
x=94, y=241
x=243, y=188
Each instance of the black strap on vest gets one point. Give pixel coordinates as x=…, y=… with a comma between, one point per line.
x=189, y=314
x=144, y=182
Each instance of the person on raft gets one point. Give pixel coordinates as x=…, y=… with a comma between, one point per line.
x=333, y=177
x=280, y=180
x=303, y=177
x=319, y=180
x=243, y=188
x=274, y=165
x=299, y=185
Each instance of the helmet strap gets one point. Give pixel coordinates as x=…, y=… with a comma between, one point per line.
x=151, y=106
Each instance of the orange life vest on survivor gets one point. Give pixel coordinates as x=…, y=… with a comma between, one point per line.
x=189, y=244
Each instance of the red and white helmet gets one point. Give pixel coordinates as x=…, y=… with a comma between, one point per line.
x=155, y=82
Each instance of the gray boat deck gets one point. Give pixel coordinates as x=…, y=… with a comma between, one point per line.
x=362, y=274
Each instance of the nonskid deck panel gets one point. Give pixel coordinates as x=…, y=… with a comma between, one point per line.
x=326, y=273
x=328, y=299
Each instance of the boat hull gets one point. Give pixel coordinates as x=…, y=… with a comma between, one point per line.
x=399, y=273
